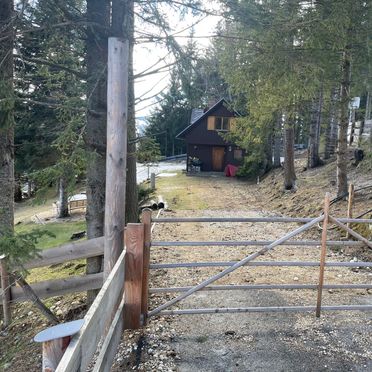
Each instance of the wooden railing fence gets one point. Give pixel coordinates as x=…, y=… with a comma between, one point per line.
x=57, y=287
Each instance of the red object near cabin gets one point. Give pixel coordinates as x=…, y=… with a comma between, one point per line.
x=230, y=170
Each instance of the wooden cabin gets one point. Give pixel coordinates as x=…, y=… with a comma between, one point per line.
x=207, y=151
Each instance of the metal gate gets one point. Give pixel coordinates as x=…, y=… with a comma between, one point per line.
x=264, y=247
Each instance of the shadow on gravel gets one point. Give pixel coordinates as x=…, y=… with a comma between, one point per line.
x=258, y=342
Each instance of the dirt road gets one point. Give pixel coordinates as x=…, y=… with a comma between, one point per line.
x=249, y=342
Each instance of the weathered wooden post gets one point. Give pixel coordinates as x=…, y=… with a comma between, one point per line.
x=5, y=289
x=55, y=341
x=153, y=181
x=116, y=158
x=133, y=275
x=350, y=207
x=146, y=220
x=323, y=255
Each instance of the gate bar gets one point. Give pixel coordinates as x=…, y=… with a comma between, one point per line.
x=337, y=221
x=258, y=263
x=237, y=265
x=261, y=286
x=224, y=243
x=254, y=219
x=263, y=309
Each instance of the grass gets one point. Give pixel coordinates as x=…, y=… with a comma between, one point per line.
x=61, y=230
x=180, y=192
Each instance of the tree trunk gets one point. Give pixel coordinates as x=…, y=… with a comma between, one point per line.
x=6, y=119
x=342, y=186
x=269, y=153
x=289, y=168
x=352, y=128
x=63, y=198
x=18, y=191
x=313, y=159
x=331, y=129
x=29, y=189
x=29, y=292
x=98, y=12
x=367, y=114
x=277, y=141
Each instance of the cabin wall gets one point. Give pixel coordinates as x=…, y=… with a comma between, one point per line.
x=201, y=135
x=204, y=153
x=200, y=142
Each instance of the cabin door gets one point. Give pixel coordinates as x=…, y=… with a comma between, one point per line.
x=218, y=155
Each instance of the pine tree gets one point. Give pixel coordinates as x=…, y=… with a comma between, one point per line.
x=7, y=18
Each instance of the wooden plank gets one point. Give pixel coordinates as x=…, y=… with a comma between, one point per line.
x=133, y=275
x=323, y=255
x=350, y=231
x=116, y=158
x=241, y=263
x=5, y=292
x=112, y=340
x=68, y=252
x=59, y=287
x=146, y=220
x=97, y=322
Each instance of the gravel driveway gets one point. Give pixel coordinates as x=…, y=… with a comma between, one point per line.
x=250, y=342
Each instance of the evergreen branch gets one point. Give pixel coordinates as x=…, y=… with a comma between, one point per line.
x=51, y=27
x=52, y=64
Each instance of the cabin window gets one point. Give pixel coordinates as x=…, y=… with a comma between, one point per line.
x=238, y=154
x=221, y=124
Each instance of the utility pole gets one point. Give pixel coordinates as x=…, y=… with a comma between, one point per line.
x=116, y=160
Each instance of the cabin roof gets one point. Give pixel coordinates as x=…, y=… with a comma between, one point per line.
x=197, y=120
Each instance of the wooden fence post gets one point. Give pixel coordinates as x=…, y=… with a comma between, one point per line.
x=350, y=207
x=53, y=351
x=5, y=288
x=55, y=341
x=146, y=220
x=323, y=255
x=116, y=158
x=153, y=186
x=133, y=275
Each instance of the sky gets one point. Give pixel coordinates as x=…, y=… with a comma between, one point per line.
x=146, y=55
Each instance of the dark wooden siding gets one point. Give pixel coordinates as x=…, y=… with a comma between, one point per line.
x=204, y=153
x=200, y=142
x=200, y=134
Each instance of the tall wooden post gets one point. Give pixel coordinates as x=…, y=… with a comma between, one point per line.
x=133, y=275
x=350, y=206
x=323, y=255
x=5, y=288
x=116, y=158
x=146, y=220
